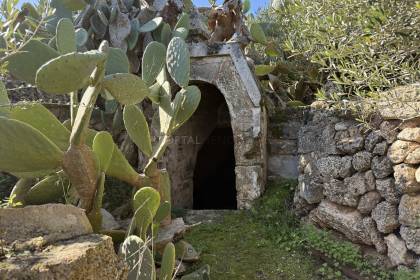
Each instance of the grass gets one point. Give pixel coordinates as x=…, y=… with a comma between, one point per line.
x=269, y=243
x=242, y=247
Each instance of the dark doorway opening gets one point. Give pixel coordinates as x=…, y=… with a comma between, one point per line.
x=214, y=174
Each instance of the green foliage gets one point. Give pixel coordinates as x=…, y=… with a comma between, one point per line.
x=103, y=147
x=360, y=46
x=257, y=33
x=153, y=61
x=178, y=61
x=127, y=89
x=138, y=129
x=168, y=262
x=67, y=73
x=139, y=259
x=25, y=149
x=65, y=36
x=24, y=64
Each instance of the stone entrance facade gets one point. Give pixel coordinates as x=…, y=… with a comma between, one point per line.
x=225, y=73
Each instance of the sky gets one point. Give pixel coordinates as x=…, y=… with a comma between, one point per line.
x=255, y=4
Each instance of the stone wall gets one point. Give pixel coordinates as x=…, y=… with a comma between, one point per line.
x=362, y=182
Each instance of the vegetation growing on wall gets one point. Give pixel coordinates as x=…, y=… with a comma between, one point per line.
x=341, y=48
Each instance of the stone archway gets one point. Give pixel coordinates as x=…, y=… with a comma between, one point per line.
x=229, y=73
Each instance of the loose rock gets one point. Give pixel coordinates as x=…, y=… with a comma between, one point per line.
x=361, y=161
x=409, y=211
x=386, y=188
x=381, y=167
x=386, y=217
x=368, y=202
x=405, y=178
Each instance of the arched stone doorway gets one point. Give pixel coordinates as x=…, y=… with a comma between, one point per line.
x=225, y=74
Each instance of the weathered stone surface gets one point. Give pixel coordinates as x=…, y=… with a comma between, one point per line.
x=248, y=185
x=52, y=222
x=349, y=141
x=361, y=161
x=285, y=166
x=372, y=139
x=411, y=237
x=356, y=184
x=89, y=257
x=381, y=167
x=310, y=189
x=300, y=206
x=386, y=217
x=405, y=178
x=336, y=191
x=386, y=187
x=346, y=169
x=409, y=211
x=375, y=236
x=313, y=138
x=282, y=146
x=341, y=126
x=413, y=157
x=370, y=180
x=368, y=202
x=346, y=220
x=108, y=221
x=380, y=148
x=418, y=175
x=410, y=134
x=388, y=130
x=400, y=149
x=393, y=104
x=397, y=251
x=329, y=166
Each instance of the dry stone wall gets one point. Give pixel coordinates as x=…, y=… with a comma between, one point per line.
x=362, y=182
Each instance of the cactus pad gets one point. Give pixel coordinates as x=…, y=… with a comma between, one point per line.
x=126, y=88
x=257, y=33
x=137, y=128
x=48, y=190
x=25, y=149
x=81, y=37
x=103, y=147
x=65, y=36
x=4, y=101
x=151, y=25
x=168, y=262
x=139, y=259
x=178, y=61
x=180, y=32
x=184, y=21
x=117, y=62
x=40, y=118
x=69, y=72
x=153, y=61
x=185, y=103
x=23, y=65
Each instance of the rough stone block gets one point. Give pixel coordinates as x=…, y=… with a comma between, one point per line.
x=368, y=202
x=285, y=166
x=400, y=149
x=346, y=220
x=386, y=217
x=336, y=191
x=361, y=161
x=405, y=178
x=397, y=251
x=375, y=236
x=409, y=211
x=249, y=185
x=411, y=237
x=386, y=187
x=381, y=167
x=410, y=134
x=310, y=189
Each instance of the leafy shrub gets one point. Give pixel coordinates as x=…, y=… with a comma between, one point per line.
x=359, y=46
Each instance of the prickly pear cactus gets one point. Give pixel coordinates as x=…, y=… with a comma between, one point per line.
x=178, y=61
x=168, y=262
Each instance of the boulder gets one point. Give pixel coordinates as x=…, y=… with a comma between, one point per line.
x=346, y=220
x=361, y=161
x=170, y=233
x=349, y=141
x=336, y=191
x=372, y=139
x=397, y=251
x=380, y=148
x=400, y=149
x=50, y=222
x=310, y=189
x=356, y=184
x=381, y=167
x=386, y=217
x=330, y=166
x=90, y=257
x=375, y=236
x=413, y=157
x=409, y=211
x=405, y=178
x=410, y=134
x=368, y=202
x=386, y=188
x=411, y=237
